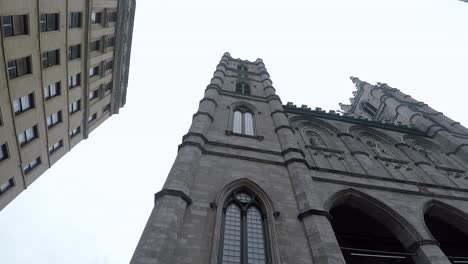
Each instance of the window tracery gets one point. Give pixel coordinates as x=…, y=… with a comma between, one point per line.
x=243, y=88
x=244, y=230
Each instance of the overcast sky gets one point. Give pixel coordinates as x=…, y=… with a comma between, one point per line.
x=92, y=205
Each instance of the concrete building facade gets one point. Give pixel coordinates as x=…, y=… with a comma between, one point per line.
x=63, y=71
x=256, y=181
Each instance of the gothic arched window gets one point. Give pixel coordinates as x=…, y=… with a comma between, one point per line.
x=243, y=122
x=242, y=88
x=243, y=234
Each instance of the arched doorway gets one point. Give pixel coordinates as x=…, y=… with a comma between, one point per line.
x=450, y=229
x=367, y=233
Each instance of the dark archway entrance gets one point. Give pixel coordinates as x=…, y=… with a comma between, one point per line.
x=364, y=240
x=449, y=229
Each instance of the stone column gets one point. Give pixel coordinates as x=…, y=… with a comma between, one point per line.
x=322, y=241
x=158, y=241
x=429, y=253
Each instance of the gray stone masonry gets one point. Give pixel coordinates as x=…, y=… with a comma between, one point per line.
x=386, y=154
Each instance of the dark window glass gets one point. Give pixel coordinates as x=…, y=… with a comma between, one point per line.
x=92, y=117
x=19, y=67
x=110, y=42
x=3, y=152
x=75, y=132
x=111, y=17
x=15, y=25
x=109, y=65
x=74, y=52
x=96, y=17
x=4, y=187
x=93, y=94
x=33, y=164
x=75, y=20
x=74, y=80
x=50, y=58
x=93, y=71
x=106, y=108
x=95, y=45
x=49, y=22
x=108, y=86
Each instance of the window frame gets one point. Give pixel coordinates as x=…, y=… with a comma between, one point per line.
x=74, y=107
x=244, y=207
x=56, y=146
x=46, y=58
x=4, y=152
x=75, y=132
x=73, y=18
x=74, y=80
x=243, y=111
x=51, y=22
x=35, y=163
x=27, y=140
x=22, y=109
x=96, y=17
x=13, y=26
x=48, y=90
x=28, y=70
x=10, y=184
x=74, y=52
x=55, y=119
x=243, y=88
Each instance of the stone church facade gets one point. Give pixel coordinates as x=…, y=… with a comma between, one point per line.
x=256, y=181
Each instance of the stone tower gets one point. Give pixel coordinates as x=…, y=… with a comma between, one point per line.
x=256, y=181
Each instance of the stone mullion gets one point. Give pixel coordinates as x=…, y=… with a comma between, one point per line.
x=319, y=233
x=430, y=254
x=159, y=238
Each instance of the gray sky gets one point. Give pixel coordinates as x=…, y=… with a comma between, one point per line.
x=91, y=207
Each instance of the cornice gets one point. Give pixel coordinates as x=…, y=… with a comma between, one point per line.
x=352, y=120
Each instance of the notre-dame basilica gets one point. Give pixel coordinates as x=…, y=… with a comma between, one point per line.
x=257, y=181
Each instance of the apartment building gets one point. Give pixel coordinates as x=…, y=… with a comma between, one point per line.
x=63, y=71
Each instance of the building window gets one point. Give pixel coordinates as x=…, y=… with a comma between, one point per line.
x=4, y=187
x=110, y=42
x=242, y=68
x=96, y=17
x=74, y=52
x=4, y=152
x=242, y=88
x=19, y=67
x=74, y=107
x=112, y=17
x=243, y=122
x=23, y=103
x=52, y=90
x=106, y=108
x=243, y=234
x=55, y=146
x=74, y=80
x=95, y=45
x=93, y=71
x=49, y=22
x=75, y=20
x=31, y=165
x=109, y=65
x=54, y=119
x=15, y=25
x=27, y=136
x=369, y=109
x=93, y=94
x=75, y=132
x=92, y=117
x=108, y=86
x=50, y=58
